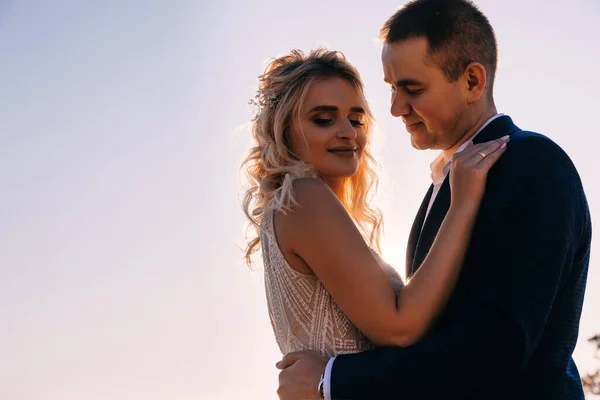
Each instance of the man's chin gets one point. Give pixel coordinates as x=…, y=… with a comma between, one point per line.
x=418, y=145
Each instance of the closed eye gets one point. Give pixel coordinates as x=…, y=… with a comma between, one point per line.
x=413, y=92
x=322, y=121
x=356, y=122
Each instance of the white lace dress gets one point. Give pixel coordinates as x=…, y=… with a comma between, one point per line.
x=303, y=314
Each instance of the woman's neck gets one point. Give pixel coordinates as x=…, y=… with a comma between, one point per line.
x=335, y=185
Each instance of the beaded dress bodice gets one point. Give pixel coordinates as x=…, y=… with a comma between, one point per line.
x=303, y=314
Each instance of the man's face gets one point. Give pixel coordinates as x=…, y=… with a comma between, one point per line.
x=430, y=106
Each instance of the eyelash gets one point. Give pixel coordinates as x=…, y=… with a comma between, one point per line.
x=321, y=121
x=409, y=92
x=325, y=121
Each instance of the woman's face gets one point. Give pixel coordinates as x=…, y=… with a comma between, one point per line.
x=330, y=135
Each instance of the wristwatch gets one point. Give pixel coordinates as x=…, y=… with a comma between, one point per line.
x=320, y=388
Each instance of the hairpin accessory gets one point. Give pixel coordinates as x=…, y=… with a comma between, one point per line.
x=262, y=100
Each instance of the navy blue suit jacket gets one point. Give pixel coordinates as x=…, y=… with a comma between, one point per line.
x=510, y=327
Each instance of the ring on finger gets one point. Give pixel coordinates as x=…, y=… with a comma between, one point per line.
x=482, y=154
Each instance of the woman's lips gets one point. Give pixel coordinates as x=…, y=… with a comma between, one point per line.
x=343, y=152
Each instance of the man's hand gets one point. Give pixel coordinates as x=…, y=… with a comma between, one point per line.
x=300, y=375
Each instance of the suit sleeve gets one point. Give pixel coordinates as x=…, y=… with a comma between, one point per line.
x=523, y=242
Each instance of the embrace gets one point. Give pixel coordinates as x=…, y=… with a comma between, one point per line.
x=498, y=253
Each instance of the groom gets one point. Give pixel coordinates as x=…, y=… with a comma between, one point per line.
x=509, y=329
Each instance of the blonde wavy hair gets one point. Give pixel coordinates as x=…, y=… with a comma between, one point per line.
x=270, y=166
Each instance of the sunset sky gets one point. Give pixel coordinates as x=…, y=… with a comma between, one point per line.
x=122, y=126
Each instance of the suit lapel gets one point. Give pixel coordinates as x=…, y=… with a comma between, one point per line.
x=420, y=240
x=415, y=232
x=432, y=224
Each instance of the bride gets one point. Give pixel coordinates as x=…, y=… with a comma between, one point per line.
x=311, y=175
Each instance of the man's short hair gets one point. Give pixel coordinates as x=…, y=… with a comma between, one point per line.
x=456, y=31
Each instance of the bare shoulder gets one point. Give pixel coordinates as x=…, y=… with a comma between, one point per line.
x=307, y=190
x=292, y=228
x=309, y=194
x=313, y=198
x=315, y=204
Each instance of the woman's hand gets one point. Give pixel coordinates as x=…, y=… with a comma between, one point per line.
x=469, y=173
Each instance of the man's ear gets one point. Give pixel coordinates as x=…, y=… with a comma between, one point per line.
x=475, y=78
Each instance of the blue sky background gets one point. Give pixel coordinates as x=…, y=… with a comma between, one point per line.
x=121, y=133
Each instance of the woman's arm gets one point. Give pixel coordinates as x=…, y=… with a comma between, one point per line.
x=321, y=232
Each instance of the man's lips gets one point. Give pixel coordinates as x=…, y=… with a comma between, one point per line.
x=410, y=127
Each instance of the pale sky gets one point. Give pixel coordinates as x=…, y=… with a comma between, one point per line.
x=120, y=143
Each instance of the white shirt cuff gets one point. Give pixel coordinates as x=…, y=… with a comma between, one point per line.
x=327, y=379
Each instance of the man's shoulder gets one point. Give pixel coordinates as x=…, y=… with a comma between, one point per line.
x=533, y=160
x=531, y=140
x=535, y=150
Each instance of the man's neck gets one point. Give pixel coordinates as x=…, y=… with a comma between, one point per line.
x=480, y=120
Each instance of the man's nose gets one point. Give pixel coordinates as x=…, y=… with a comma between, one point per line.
x=400, y=106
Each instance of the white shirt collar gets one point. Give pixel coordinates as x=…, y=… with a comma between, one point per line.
x=440, y=166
